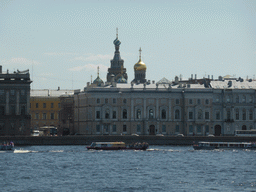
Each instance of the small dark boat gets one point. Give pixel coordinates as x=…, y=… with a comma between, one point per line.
x=223, y=145
x=117, y=146
x=7, y=146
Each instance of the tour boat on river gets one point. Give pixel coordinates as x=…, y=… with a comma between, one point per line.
x=223, y=145
x=7, y=146
x=117, y=146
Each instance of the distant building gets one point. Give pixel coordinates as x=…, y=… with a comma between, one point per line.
x=66, y=117
x=14, y=102
x=45, y=107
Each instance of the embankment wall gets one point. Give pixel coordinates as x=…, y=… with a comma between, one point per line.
x=86, y=140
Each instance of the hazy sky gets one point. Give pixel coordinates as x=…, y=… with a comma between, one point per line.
x=62, y=42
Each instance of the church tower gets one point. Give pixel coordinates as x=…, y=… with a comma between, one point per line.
x=140, y=71
x=117, y=64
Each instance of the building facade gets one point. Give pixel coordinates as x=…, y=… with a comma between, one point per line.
x=14, y=103
x=45, y=107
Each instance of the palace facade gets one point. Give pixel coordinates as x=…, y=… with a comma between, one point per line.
x=191, y=107
x=14, y=102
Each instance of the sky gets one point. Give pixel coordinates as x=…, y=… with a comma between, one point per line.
x=62, y=42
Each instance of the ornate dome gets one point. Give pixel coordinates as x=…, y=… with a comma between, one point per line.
x=121, y=80
x=140, y=66
x=98, y=81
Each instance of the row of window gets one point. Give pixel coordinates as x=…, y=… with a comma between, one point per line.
x=236, y=99
x=12, y=92
x=177, y=101
x=45, y=105
x=45, y=116
x=177, y=114
x=12, y=110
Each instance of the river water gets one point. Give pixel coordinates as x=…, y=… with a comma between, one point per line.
x=160, y=168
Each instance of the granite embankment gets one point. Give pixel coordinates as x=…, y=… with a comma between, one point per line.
x=86, y=140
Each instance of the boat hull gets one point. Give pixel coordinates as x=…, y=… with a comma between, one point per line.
x=116, y=148
x=6, y=148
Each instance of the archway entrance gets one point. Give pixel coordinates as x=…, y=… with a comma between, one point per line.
x=152, y=130
x=244, y=127
x=217, y=130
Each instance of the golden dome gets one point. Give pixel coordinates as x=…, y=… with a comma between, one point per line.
x=140, y=66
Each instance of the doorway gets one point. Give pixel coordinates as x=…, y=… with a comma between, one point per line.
x=152, y=130
x=217, y=130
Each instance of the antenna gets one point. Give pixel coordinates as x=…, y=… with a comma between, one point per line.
x=117, y=32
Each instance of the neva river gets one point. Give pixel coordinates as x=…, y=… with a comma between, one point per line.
x=160, y=168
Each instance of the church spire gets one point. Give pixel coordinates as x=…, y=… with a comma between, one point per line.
x=140, y=53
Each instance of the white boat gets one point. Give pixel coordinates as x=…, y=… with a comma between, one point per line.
x=222, y=145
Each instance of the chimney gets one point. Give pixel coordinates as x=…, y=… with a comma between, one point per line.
x=0, y=69
x=191, y=76
x=212, y=77
x=195, y=76
x=58, y=89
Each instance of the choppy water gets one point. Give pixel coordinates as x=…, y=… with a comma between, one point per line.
x=161, y=168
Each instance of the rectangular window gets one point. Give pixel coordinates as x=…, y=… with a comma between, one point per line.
x=199, y=129
x=138, y=128
x=52, y=115
x=198, y=101
x=44, y=105
x=37, y=116
x=44, y=115
x=12, y=92
x=114, y=114
x=2, y=112
x=114, y=100
x=51, y=105
x=98, y=128
x=98, y=100
x=190, y=101
x=164, y=128
x=177, y=101
x=36, y=105
x=177, y=128
x=207, y=128
x=97, y=114
x=191, y=129
x=114, y=128
x=207, y=115
x=13, y=109
x=124, y=128
x=190, y=115
x=106, y=100
x=207, y=101
x=217, y=115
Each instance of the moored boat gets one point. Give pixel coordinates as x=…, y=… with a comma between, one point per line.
x=223, y=145
x=117, y=146
x=7, y=146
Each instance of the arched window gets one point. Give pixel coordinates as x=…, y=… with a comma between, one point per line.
x=244, y=114
x=124, y=114
x=151, y=114
x=200, y=114
x=244, y=127
x=163, y=114
x=237, y=114
x=138, y=114
x=107, y=114
x=177, y=114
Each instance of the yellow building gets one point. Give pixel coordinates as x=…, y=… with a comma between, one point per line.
x=45, y=107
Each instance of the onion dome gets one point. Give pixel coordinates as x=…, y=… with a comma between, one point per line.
x=121, y=80
x=140, y=66
x=98, y=81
